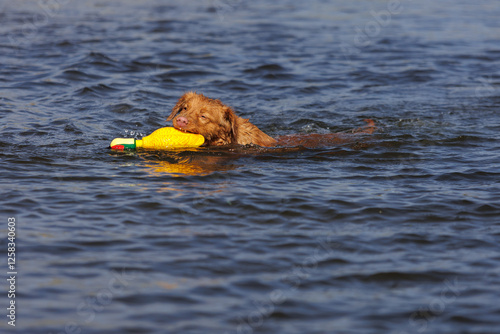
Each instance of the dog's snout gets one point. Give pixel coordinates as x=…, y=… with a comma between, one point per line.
x=181, y=121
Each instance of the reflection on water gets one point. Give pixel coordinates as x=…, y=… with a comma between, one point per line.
x=189, y=165
x=195, y=162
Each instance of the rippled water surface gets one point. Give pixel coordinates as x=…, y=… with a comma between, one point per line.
x=398, y=234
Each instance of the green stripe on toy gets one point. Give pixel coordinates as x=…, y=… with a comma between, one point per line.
x=122, y=143
x=161, y=139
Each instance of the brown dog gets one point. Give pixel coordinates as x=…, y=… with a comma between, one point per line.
x=219, y=125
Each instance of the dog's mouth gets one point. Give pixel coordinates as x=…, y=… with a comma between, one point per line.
x=186, y=131
x=184, y=127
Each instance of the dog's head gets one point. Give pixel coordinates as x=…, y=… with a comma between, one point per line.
x=196, y=113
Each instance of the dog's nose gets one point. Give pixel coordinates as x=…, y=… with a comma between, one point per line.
x=181, y=121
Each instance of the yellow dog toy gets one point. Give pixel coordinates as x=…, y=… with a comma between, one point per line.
x=161, y=139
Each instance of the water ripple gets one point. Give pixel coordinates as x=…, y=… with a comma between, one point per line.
x=395, y=233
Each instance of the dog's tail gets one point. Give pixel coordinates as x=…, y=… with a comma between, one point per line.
x=371, y=122
x=368, y=128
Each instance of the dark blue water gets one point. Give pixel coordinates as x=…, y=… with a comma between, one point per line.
x=397, y=235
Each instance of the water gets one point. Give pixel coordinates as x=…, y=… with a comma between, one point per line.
x=398, y=235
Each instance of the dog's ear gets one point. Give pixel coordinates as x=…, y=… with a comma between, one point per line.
x=179, y=106
x=232, y=120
